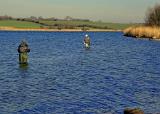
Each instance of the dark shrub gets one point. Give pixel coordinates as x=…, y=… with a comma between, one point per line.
x=153, y=16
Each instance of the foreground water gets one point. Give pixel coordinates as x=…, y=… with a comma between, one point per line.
x=64, y=78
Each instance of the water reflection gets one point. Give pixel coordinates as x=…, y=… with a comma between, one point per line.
x=23, y=66
x=87, y=48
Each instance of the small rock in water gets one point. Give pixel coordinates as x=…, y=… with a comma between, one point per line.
x=133, y=111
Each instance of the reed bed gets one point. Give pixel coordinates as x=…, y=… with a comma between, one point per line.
x=143, y=32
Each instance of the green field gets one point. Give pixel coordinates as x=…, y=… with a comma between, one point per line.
x=18, y=24
x=54, y=24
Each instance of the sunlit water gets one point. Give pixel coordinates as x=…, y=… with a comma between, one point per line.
x=64, y=78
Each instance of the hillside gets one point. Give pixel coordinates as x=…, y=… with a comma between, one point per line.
x=18, y=24
x=62, y=24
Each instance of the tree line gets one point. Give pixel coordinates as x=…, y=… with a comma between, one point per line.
x=34, y=18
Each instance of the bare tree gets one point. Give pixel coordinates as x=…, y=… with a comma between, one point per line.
x=153, y=16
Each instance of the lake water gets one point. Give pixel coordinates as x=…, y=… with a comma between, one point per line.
x=65, y=78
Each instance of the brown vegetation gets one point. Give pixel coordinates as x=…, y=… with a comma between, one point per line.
x=143, y=32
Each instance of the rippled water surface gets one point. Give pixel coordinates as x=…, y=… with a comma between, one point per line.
x=64, y=78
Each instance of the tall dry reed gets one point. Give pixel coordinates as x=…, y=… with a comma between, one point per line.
x=143, y=32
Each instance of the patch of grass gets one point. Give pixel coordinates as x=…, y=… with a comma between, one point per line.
x=19, y=24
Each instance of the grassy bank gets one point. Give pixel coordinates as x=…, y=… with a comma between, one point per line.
x=18, y=24
x=61, y=24
x=143, y=32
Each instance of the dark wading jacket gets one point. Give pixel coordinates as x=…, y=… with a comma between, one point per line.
x=23, y=48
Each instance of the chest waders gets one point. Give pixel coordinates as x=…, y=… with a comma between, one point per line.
x=23, y=58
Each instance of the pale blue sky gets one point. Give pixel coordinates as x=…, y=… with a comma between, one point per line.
x=105, y=10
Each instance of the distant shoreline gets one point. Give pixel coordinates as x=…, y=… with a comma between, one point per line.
x=56, y=30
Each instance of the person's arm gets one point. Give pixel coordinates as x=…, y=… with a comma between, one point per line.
x=84, y=40
x=28, y=50
x=27, y=47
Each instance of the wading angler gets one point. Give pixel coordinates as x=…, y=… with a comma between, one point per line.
x=23, y=49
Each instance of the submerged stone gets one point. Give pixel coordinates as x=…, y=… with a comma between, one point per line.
x=133, y=111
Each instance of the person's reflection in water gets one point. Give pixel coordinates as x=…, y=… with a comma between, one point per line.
x=22, y=91
x=23, y=66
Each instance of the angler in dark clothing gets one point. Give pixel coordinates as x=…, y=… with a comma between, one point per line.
x=23, y=49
